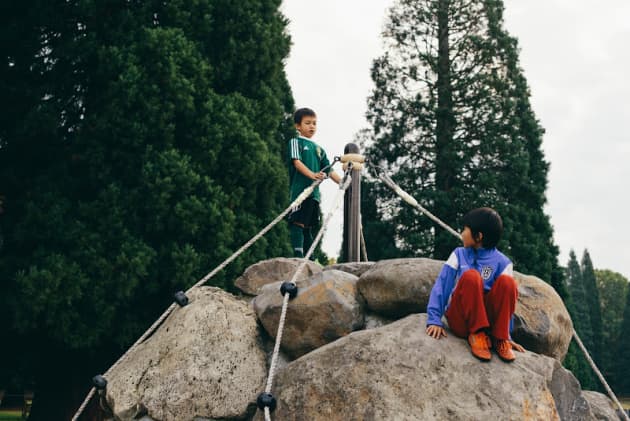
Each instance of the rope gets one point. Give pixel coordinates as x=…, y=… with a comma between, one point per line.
x=276, y=349
x=363, y=247
x=413, y=202
x=298, y=200
x=599, y=375
x=409, y=199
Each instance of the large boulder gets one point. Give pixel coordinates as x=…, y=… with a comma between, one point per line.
x=602, y=407
x=327, y=306
x=204, y=361
x=355, y=268
x=274, y=270
x=541, y=322
x=397, y=372
x=399, y=287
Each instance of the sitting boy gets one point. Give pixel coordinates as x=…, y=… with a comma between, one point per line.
x=476, y=290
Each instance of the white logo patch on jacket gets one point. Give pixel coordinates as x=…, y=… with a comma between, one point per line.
x=486, y=272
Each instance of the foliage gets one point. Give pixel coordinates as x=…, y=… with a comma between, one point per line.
x=612, y=288
x=593, y=302
x=143, y=146
x=451, y=121
x=580, y=314
x=619, y=359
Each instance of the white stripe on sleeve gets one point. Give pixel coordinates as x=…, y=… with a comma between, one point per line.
x=453, y=261
x=295, y=149
x=509, y=270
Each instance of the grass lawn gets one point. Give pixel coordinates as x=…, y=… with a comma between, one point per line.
x=10, y=414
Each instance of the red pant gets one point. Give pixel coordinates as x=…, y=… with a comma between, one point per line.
x=472, y=309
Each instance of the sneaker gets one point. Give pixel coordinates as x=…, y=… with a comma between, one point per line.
x=504, y=350
x=480, y=345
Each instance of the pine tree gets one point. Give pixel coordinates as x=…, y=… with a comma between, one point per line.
x=144, y=146
x=612, y=288
x=451, y=121
x=580, y=315
x=593, y=301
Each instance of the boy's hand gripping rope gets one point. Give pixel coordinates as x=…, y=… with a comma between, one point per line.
x=409, y=199
x=298, y=200
x=266, y=401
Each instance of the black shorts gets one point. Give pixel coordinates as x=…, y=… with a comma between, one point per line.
x=306, y=214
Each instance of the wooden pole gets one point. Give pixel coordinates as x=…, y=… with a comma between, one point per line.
x=351, y=213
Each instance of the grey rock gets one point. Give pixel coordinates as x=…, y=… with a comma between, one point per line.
x=541, y=321
x=399, y=287
x=355, y=268
x=602, y=407
x=274, y=270
x=204, y=361
x=373, y=320
x=327, y=307
x=397, y=372
x=396, y=288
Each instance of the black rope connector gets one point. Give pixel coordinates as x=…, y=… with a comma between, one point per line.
x=180, y=298
x=266, y=400
x=99, y=382
x=289, y=287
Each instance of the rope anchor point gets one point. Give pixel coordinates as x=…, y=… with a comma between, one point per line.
x=266, y=400
x=180, y=298
x=289, y=288
x=99, y=382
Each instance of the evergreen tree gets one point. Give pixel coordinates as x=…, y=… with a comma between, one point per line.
x=451, y=121
x=620, y=358
x=580, y=315
x=593, y=301
x=379, y=238
x=612, y=288
x=143, y=146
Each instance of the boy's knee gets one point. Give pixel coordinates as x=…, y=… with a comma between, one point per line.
x=471, y=278
x=507, y=282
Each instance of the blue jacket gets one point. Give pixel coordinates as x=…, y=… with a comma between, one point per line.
x=490, y=263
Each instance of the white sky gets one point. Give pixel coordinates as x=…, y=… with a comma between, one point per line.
x=576, y=60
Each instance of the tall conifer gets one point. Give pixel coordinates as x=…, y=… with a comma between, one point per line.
x=451, y=120
x=580, y=315
x=142, y=146
x=593, y=302
x=612, y=287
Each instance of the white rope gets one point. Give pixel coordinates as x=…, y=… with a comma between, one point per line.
x=298, y=200
x=404, y=195
x=363, y=245
x=276, y=349
x=413, y=202
x=599, y=374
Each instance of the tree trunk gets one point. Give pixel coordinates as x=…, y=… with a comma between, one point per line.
x=445, y=148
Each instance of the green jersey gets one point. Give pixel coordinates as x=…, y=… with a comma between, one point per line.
x=313, y=156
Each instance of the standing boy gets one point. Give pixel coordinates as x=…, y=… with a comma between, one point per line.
x=306, y=161
x=476, y=290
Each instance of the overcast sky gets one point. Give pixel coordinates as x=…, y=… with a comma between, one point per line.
x=576, y=60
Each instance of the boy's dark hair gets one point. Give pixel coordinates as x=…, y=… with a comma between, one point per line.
x=485, y=220
x=301, y=113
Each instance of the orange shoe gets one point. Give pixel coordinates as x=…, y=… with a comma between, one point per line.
x=480, y=345
x=504, y=350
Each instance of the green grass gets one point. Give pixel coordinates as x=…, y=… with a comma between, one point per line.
x=10, y=415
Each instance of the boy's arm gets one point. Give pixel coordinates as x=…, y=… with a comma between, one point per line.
x=441, y=291
x=303, y=169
